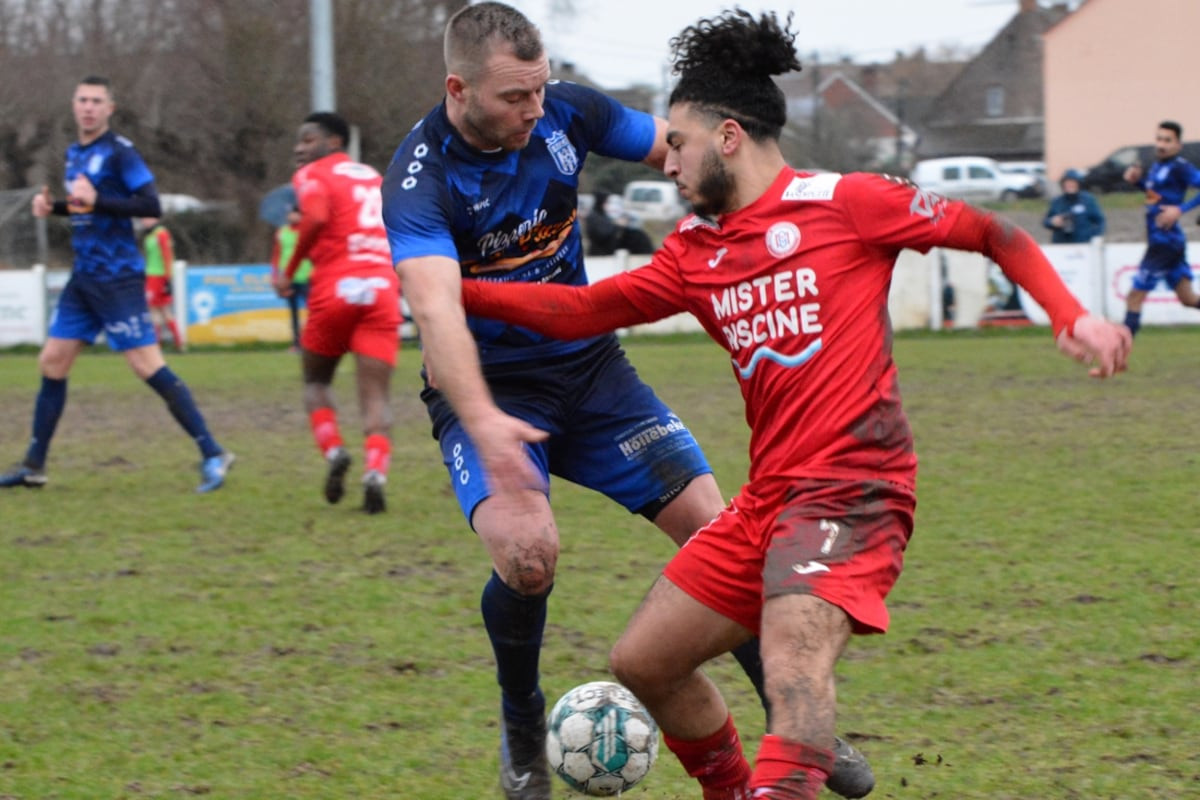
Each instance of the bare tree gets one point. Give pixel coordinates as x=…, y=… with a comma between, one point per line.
x=211, y=91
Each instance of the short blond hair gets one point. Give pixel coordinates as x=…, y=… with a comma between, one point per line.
x=473, y=31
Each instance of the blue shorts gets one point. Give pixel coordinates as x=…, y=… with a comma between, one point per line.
x=1162, y=262
x=115, y=305
x=608, y=430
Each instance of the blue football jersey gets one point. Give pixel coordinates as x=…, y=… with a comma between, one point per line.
x=508, y=216
x=104, y=244
x=1166, y=184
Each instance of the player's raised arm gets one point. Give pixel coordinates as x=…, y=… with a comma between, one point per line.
x=657, y=157
x=1080, y=335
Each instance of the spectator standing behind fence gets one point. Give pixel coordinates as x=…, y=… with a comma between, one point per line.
x=285, y=242
x=610, y=229
x=1074, y=216
x=108, y=185
x=603, y=233
x=158, y=247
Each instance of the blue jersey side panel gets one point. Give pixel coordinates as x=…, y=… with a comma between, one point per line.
x=507, y=216
x=1167, y=184
x=104, y=244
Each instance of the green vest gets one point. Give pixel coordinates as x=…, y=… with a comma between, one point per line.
x=156, y=265
x=287, y=236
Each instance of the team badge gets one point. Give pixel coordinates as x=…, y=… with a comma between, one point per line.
x=95, y=163
x=563, y=153
x=782, y=239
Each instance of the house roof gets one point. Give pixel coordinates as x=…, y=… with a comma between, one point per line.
x=1008, y=73
x=839, y=92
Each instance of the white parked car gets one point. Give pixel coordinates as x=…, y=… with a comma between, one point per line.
x=1036, y=169
x=658, y=200
x=972, y=178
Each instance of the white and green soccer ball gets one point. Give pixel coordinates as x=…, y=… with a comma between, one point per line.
x=600, y=739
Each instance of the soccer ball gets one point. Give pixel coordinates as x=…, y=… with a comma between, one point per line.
x=600, y=739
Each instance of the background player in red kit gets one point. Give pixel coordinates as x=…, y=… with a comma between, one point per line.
x=790, y=272
x=354, y=299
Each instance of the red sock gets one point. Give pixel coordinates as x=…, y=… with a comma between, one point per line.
x=716, y=761
x=324, y=426
x=787, y=770
x=379, y=453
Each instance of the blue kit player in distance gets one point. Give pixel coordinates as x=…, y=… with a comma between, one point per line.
x=486, y=186
x=1166, y=185
x=108, y=185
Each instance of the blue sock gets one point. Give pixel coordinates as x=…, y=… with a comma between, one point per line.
x=183, y=408
x=1133, y=321
x=515, y=623
x=51, y=400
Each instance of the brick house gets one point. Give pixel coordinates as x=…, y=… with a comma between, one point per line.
x=994, y=106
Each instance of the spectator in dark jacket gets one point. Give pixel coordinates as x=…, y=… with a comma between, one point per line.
x=603, y=233
x=1074, y=215
x=609, y=229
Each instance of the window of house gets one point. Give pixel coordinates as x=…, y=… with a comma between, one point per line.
x=995, y=101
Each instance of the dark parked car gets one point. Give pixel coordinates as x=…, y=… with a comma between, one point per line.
x=1109, y=174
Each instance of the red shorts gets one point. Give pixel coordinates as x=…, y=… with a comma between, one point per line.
x=842, y=541
x=158, y=291
x=354, y=314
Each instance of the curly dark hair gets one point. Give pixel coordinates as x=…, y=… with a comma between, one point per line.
x=725, y=65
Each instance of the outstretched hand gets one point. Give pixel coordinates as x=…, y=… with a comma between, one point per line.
x=501, y=443
x=283, y=284
x=82, y=199
x=1096, y=341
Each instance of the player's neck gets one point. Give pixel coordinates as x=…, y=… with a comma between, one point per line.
x=87, y=137
x=755, y=176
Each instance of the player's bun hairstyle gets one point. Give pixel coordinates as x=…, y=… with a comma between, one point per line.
x=332, y=124
x=725, y=65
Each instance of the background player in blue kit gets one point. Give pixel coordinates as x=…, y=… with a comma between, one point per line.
x=108, y=185
x=486, y=186
x=1166, y=184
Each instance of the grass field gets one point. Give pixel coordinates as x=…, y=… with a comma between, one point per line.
x=257, y=643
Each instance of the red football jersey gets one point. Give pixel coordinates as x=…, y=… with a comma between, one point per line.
x=354, y=236
x=795, y=286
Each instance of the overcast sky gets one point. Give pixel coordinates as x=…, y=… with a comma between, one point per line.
x=620, y=42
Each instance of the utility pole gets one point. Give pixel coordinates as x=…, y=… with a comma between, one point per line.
x=324, y=79
x=816, y=108
x=321, y=42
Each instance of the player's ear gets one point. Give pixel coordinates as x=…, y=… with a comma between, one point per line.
x=456, y=87
x=730, y=135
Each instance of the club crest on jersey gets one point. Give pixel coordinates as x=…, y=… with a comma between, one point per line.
x=782, y=239
x=563, y=153
x=95, y=163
